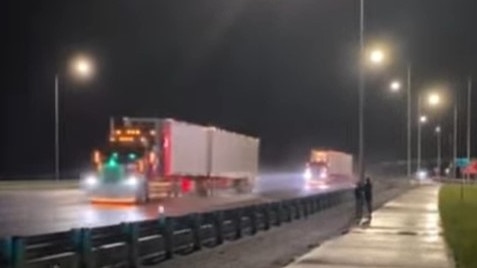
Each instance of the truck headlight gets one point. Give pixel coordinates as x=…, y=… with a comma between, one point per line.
x=421, y=174
x=307, y=174
x=91, y=180
x=131, y=181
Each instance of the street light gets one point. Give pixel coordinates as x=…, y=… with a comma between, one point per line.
x=434, y=99
x=395, y=86
x=423, y=119
x=376, y=56
x=81, y=67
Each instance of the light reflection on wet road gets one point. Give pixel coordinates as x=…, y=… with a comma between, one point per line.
x=34, y=212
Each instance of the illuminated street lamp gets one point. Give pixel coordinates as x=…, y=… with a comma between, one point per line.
x=395, y=86
x=81, y=67
x=433, y=99
x=423, y=119
x=376, y=56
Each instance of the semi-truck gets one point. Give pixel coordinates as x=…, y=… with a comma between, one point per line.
x=327, y=166
x=153, y=158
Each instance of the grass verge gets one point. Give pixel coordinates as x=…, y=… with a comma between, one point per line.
x=458, y=210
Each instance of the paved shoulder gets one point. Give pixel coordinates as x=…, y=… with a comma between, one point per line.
x=404, y=233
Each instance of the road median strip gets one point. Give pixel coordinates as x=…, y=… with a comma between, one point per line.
x=37, y=185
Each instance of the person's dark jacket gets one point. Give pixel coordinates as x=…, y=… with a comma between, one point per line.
x=368, y=190
x=358, y=192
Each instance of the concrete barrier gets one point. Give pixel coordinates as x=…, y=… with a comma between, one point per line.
x=135, y=244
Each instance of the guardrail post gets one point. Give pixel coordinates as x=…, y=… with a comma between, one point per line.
x=279, y=212
x=237, y=216
x=82, y=240
x=305, y=207
x=253, y=219
x=266, y=216
x=321, y=203
x=131, y=231
x=194, y=221
x=312, y=205
x=282, y=207
x=18, y=252
x=6, y=252
x=297, y=206
x=167, y=230
x=218, y=225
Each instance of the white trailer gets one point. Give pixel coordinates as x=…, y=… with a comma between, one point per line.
x=340, y=164
x=189, y=149
x=234, y=156
x=326, y=166
x=149, y=158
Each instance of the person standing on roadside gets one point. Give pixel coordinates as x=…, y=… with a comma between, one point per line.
x=368, y=196
x=358, y=196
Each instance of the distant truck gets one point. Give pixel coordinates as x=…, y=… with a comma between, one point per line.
x=326, y=166
x=150, y=158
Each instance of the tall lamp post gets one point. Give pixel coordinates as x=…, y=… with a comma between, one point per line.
x=395, y=86
x=438, y=131
x=433, y=99
x=422, y=120
x=361, y=83
x=81, y=67
x=469, y=107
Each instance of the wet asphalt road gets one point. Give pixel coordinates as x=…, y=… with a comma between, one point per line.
x=24, y=212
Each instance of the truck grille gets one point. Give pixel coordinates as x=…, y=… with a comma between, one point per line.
x=112, y=174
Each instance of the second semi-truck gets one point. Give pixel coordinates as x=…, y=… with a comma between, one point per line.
x=150, y=158
x=327, y=166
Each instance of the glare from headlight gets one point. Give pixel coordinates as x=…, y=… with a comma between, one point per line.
x=307, y=174
x=131, y=181
x=421, y=174
x=91, y=180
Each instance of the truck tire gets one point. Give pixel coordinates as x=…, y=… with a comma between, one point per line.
x=242, y=186
x=142, y=196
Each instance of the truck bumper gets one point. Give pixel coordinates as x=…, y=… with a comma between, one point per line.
x=115, y=193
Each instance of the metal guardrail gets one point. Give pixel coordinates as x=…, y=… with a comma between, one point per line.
x=134, y=244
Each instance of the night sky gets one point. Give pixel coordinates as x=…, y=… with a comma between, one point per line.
x=282, y=70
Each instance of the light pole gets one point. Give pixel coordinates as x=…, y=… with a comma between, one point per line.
x=439, y=159
x=361, y=85
x=433, y=99
x=395, y=86
x=57, y=130
x=81, y=67
x=469, y=107
x=454, y=150
x=422, y=120
x=409, y=118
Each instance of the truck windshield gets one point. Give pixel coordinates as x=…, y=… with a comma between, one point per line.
x=122, y=154
x=317, y=167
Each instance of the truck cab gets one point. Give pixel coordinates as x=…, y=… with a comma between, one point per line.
x=326, y=166
x=121, y=170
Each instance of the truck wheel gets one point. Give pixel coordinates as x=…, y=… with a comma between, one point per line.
x=141, y=198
